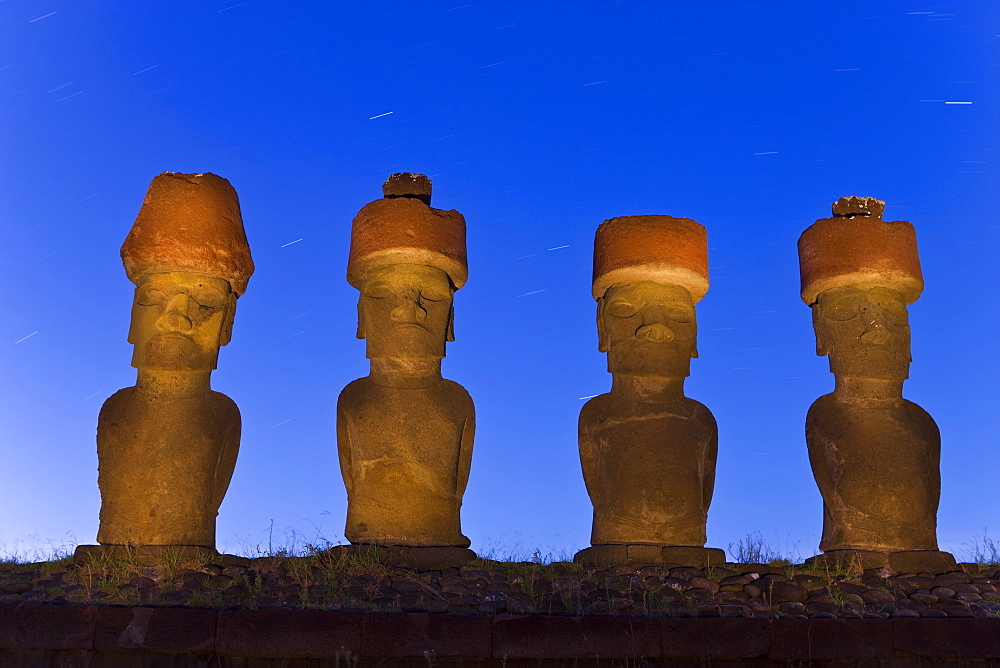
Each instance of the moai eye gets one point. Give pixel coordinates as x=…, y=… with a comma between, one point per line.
x=621, y=309
x=678, y=314
x=841, y=311
x=147, y=296
x=208, y=297
x=432, y=295
x=378, y=291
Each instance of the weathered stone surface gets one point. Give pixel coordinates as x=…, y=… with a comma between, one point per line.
x=648, y=452
x=168, y=630
x=167, y=447
x=875, y=456
x=402, y=228
x=407, y=184
x=189, y=222
x=412, y=557
x=404, y=433
x=859, y=249
x=661, y=249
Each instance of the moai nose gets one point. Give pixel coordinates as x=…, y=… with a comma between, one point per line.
x=408, y=310
x=656, y=332
x=175, y=316
x=876, y=335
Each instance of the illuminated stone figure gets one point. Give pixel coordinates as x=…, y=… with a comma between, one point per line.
x=648, y=452
x=404, y=433
x=167, y=446
x=875, y=455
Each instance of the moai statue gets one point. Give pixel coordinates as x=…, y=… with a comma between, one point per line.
x=167, y=446
x=404, y=433
x=648, y=452
x=875, y=455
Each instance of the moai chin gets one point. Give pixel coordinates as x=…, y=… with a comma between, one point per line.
x=648, y=452
x=404, y=433
x=167, y=446
x=875, y=455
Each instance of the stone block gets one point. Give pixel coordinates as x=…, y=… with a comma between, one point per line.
x=947, y=639
x=278, y=634
x=715, y=639
x=831, y=640
x=693, y=556
x=53, y=627
x=166, y=630
x=427, y=635
x=144, y=553
x=541, y=637
x=922, y=561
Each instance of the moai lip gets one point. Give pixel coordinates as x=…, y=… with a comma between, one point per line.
x=880, y=503
x=404, y=433
x=167, y=447
x=648, y=452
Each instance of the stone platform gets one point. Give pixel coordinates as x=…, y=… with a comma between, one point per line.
x=649, y=555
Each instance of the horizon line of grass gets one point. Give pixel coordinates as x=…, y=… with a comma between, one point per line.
x=751, y=549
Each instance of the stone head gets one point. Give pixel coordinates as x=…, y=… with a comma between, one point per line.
x=405, y=310
x=647, y=328
x=180, y=319
x=865, y=331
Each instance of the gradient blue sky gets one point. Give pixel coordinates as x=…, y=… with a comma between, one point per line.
x=536, y=120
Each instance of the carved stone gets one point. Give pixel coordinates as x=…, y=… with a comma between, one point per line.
x=404, y=433
x=648, y=452
x=167, y=446
x=875, y=455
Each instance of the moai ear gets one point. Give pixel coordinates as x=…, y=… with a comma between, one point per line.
x=603, y=345
x=822, y=345
x=131, y=325
x=450, y=335
x=227, y=324
x=361, y=317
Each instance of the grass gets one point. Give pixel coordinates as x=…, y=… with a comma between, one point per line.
x=752, y=549
x=984, y=553
x=325, y=577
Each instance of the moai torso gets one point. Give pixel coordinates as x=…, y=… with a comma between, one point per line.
x=649, y=469
x=165, y=466
x=877, y=467
x=405, y=455
x=648, y=452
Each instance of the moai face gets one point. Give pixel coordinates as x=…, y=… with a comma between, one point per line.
x=865, y=331
x=405, y=310
x=179, y=321
x=647, y=328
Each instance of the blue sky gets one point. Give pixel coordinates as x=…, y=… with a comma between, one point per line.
x=536, y=120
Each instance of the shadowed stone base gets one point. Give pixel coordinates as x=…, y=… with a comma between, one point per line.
x=911, y=561
x=414, y=558
x=621, y=555
x=145, y=552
